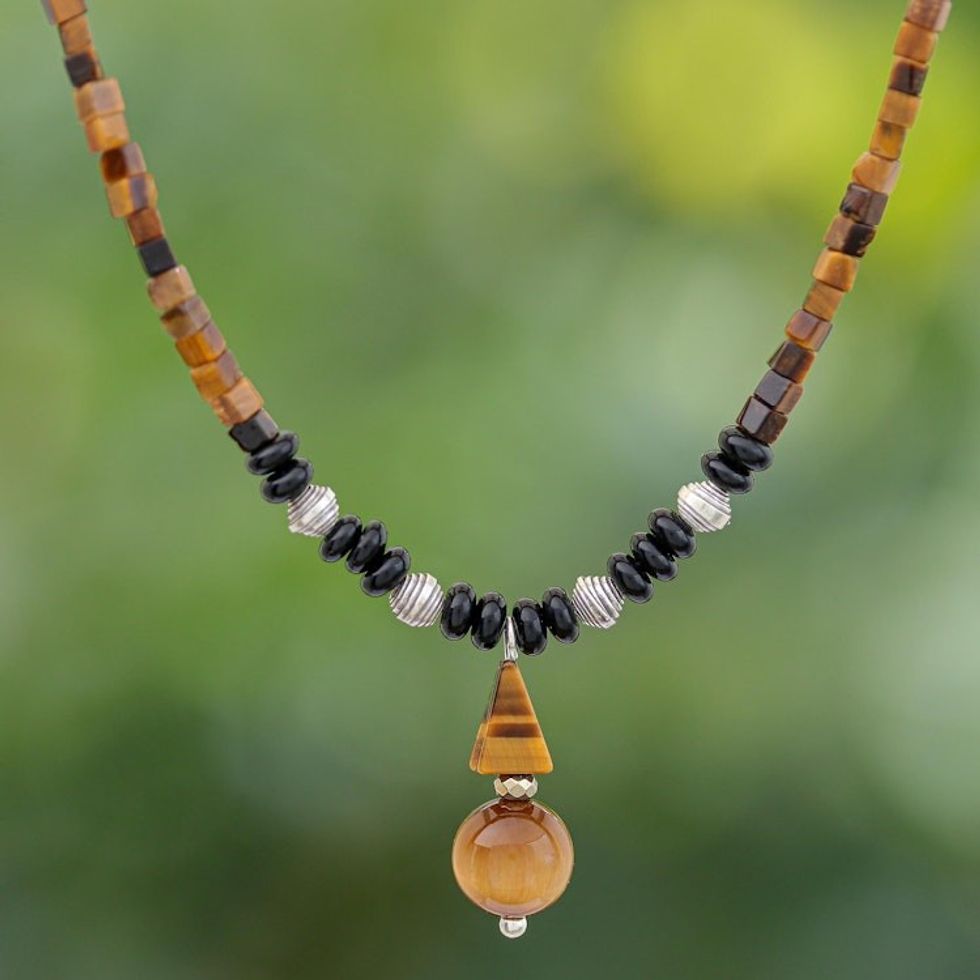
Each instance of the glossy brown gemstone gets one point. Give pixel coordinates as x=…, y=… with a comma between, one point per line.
x=83, y=67
x=187, y=318
x=237, y=405
x=808, y=331
x=915, y=42
x=823, y=300
x=207, y=345
x=888, y=140
x=836, y=269
x=107, y=132
x=792, y=361
x=908, y=76
x=127, y=161
x=509, y=740
x=76, y=35
x=513, y=857
x=100, y=98
x=217, y=376
x=900, y=108
x=145, y=226
x=931, y=14
x=131, y=195
x=59, y=11
x=864, y=205
x=877, y=173
x=848, y=236
x=761, y=422
x=778, y=392
x=170, y=289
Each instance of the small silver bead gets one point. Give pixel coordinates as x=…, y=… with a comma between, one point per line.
x=511, y=651
x=417, y=601
x=516, y=787
x=704, y=507
x=513, y=928
x=313, y=512
x=597, y=601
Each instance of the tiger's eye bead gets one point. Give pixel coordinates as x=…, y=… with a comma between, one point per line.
x=76, y=35
x=392, y=571
x=254, y=433
x=864, y=205
x=366, y=555
x=672, y=532
x=529, y=627
x=762, y=422
x=273, y=455
x=629, y=578
x=655, y=560
x=458, y=611
x=559, y=615
x=792, y=361
x=930, y=14
x=908, y=76
x=915, y=42
x=726, y=473
x=239, y=404
x=145, y=226
x=751, y=453
x=778, y=392
x=848, y=236
x=888, y=140
x=290, y=481
x=126, y=161
x=58, y=11
x=489, y=621
x=340, y=539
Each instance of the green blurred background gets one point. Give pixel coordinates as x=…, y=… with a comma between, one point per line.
x=508, y=267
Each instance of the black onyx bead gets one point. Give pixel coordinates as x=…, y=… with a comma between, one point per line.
x=340, y=539
x=529, y=628
x=630, y=579
x=289, y=482
x=157, y=257
x=367, y=554
x=652, y=558
x=672, y=532
x=726, y=473
x=559, y=616
x=392, y=571
x=751, y=453
x=458, y=611
x=274, y=455
x=255, y=432
x=489, y=621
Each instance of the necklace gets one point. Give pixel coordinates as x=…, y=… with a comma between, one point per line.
x=512, y=856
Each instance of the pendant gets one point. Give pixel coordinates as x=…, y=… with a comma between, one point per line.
x=513, y=856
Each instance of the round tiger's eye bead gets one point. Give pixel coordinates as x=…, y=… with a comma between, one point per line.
x=366, y=555
x=513, y=857
x=652, y=558
x=274, y=455
x=340, y=539
x=529, y=627
x=458, y=611
x=489, y=621
x=751, y=453
x=392, y=571
x=726, y=473
x=630, y=580
x=672, y=532
x=288, y=482
x=559, y=615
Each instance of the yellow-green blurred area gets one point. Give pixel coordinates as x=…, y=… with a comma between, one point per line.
x=507, y=267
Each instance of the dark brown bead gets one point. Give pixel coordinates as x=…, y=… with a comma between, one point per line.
x=848, y=236
x=792, y=361
x=145, y=225
x=157, y=256
x=83, y=68
x=864, y=205
x=778, y=392
x=808, y=331
x=126, y=161
x=761, y=422
x=256, y=432
x=908, y=76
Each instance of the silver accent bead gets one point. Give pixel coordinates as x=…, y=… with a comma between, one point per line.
x=597, y=601
x=512, y=928
x=516, y=787
x=704, y=507
x=418, y=600
x=313, y=512
x=511, y=651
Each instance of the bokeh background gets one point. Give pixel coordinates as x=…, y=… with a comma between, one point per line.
x=508, y=267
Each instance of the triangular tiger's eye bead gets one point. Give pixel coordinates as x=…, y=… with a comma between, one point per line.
x=509, y=740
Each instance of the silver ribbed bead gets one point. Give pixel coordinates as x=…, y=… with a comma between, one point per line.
x=704, y=507
x=418, y=600
x=597, y=601
x=313, y=512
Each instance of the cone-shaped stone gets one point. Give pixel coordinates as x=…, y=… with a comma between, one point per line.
x=509, y=741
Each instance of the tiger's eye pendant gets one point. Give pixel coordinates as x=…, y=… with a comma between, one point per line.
x=512, y=856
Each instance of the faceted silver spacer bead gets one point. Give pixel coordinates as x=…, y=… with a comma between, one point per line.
x=597, y=601
x=418, y=600
x=516, y=787
x=313, y=512
x=513, y=928
x=704, y=507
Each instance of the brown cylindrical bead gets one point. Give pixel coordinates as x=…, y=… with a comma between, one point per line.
x=59, y=11
x=836, y=269
x=888, y=140
x=931, y=14
x=900, y=108
x=915, y=42
x=106, y=132
x=876, y=173
x=761, y=422
x=808, y=331
x=76, y=35
x=792, y=361
x=823, y=300
x=133, y=194
x=126, y=161
x=187, y=318
x=850, y=237
x=237, y=405
x=778, y=392
x=908, y=76
x=145, y=226
x=83, y=67
x=101, y=98
x=216, y=377
x=170, y=289
x=202, y=347
x=864, y=205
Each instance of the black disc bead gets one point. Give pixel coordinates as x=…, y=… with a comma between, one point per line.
x=458, y=611
x=671, y=532
x=368, y=552
x=489, y=621
x=726, y=473
x=287, y=482
x=273, y=456
x=630, y=579
x=559, y=616
x=340, y=539
x=529, y=628
x=392, y=571
x=751, y=453
x=655, y=560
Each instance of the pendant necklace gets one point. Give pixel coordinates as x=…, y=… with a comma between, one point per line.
x=512, y=856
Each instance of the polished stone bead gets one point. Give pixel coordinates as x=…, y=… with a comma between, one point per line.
x=778, y=392
x=900, y=108
x=254, y=433
x=458, y=611
x=121, y=163
x=751, y=453
x=238, y=404
x=726, y=473
x=630, y=579
x=761, y=421
x=671, y=532
x=170, y=289
x=186, y=319
x=157, y=256
x=529, y=627
x=367, y=554
x=202, y=347
x=107, y=132
x=339, y=540
x=908, y=76
x=131, y=195
x=59, y=11
x=83, y=67
x=823, y=300
x=99, y=98
x=76, y=35
x=836, y=269
x=274, y=454
x=930, y=14
x=144, y=226
x=652, y=557
x=888, y=140
x=392, y=571
x=559, y=615
x=216, y=377
x=792, y=361
x=849, y=236
x=877, y=173
x=489, y=621
x=864, y=205
x=916, y=43
x=288, y=482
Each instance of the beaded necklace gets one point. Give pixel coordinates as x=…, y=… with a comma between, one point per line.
x=513, y=856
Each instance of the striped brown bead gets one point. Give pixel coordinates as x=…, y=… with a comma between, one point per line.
x=59, y=11
x=145, y=225
x=187, y=318
x=808, y=331
x=823, y=300
x=761, y=422
x=216, y=377
x=876, y=173
x=864, y=205
x=778, y=392
x=100, y=98
x=850, y=237
x=931, y=14
x=76, y=35
x=131, y=195
x=126, y=161
x=908, y=76
x=203, y=346
x=836, y=269
x=171, y=289
x=237, y=405
x=792, y=361
x=900, y=108
x=916, y=42
x=888, y=140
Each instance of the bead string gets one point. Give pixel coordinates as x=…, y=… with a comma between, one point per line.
x=418, y=599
